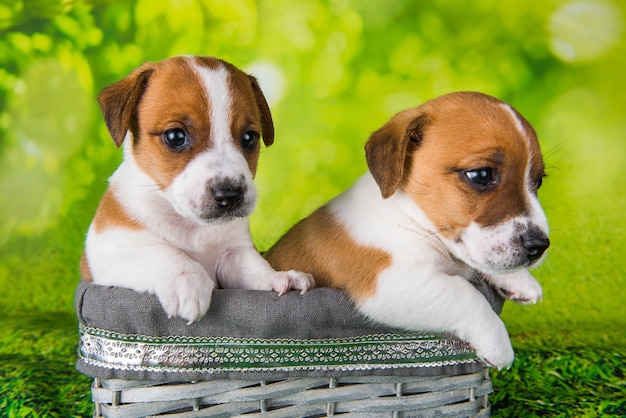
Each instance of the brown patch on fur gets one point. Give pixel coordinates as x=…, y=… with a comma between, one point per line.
x=321, y=246
x=119, y=101
x=460, y=132
x=174, y=98
x=110, y=214
x=85, y=271
x=389, y=148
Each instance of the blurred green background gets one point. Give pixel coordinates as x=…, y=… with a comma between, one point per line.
x=333, y=72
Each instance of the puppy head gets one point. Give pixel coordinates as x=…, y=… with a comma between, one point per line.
x=473, y=166
x=192, y=125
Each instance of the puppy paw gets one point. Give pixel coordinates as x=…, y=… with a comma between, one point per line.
x=520, y=287
x=494, y=347
x=284, y=281
x=188, y=295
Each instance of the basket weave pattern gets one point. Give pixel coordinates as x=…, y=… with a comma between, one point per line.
x=363, y=396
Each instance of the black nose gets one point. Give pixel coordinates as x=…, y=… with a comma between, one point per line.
x=227, y=196
x=535, y=243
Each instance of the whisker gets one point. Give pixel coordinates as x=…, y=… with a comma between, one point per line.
x=555, y=149
x=552, y=167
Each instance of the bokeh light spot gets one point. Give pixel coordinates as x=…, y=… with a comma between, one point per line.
x=583, y=31
x=270, y=78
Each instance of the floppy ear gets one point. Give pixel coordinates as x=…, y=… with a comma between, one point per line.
x=267, y=125
x=387, y=150
x=119, y=101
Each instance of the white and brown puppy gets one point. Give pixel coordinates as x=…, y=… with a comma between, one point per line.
x=451, y=193
x=173, y=221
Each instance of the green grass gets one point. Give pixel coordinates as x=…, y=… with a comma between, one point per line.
x=37, y=373
x=564, y=382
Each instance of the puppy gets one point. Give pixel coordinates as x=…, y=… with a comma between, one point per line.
x=173, y=221
x=451, y=193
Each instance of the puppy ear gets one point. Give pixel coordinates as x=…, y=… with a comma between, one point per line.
x=388, y=148
x=119, y=100
x=267, y=125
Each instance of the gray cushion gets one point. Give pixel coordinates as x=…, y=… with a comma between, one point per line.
x=254, y=334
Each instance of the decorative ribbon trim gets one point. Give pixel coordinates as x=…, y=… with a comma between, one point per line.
x=112, y=350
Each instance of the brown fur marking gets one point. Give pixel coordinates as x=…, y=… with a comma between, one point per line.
x=321, y=246
x=85, y=271
x=174, y=98
x=110, y=214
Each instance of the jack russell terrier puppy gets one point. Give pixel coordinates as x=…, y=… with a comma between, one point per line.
x=451, y=194
x=174, y=220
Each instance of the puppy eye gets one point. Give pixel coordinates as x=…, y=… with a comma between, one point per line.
x=175, y=138
x=249, y=140
x=482, y=177
x=539, y=182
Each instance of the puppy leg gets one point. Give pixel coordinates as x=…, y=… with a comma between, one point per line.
x=188, y=292
x=243, y=267
x=520, y=287
x=436, y=302
x=181, y=284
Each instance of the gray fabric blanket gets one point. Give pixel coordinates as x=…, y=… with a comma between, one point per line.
x=254, y=334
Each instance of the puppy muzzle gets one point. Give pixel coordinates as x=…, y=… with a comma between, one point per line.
x=227, y=198
x=501, y=248
x=217, y=199
x=535, y=243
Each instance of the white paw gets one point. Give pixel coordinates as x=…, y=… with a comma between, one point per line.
x=284, y=281
x=188, y=295
x=493, y=346
x=520, y=287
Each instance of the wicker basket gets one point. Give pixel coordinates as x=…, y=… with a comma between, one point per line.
x=363, y=396
x=321, y=359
